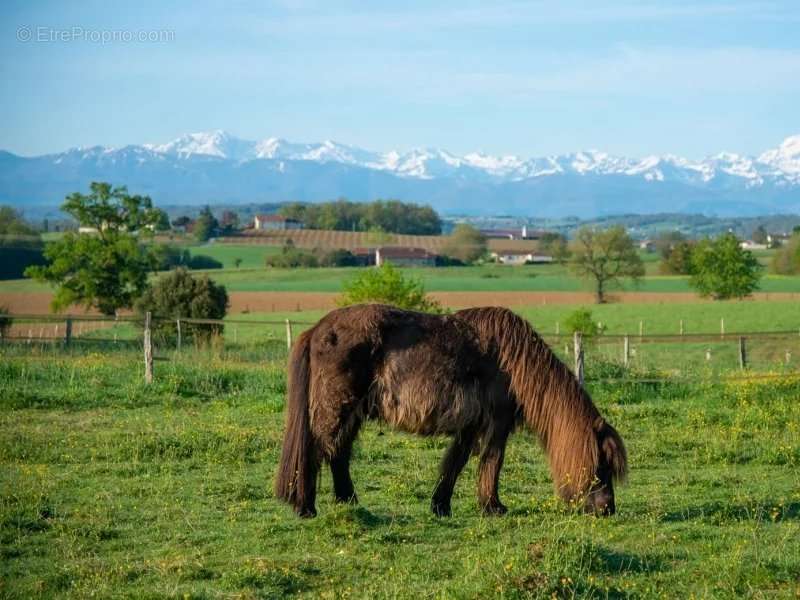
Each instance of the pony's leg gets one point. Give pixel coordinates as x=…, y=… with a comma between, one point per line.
x=453, y=462
x=343, y=489
x=489, y=469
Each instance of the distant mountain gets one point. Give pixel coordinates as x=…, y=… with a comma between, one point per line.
x=217, y=167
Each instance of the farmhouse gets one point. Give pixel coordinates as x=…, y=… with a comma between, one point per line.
x=275, y=223
x=520, y=257
x=751, y=245
x=513, y=234
x=400, y=256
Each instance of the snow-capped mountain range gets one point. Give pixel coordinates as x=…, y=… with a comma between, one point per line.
x=216, y=166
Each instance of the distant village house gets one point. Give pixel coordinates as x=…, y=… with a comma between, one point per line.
x=520, y=257
x=275, y=223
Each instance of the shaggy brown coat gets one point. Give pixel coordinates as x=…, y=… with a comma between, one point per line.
x=472, y=375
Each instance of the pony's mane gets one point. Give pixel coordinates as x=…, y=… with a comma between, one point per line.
x=550, y=400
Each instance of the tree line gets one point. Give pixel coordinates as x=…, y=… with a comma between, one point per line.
x=382, y=215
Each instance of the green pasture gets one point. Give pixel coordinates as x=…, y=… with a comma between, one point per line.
x=111, y=488
x=251, y=255
x=253, y=276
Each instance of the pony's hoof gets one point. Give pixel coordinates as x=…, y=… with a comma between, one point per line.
x=494, y=509
x=441, y=510
x=307, y=513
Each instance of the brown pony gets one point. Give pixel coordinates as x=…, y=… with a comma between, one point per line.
x=472, y=375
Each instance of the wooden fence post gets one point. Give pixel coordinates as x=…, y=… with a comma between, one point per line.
x=577, y=341
x=626, y=351
x=681, y=326
x=788, y=357
x=68, y=332
x=557, y=328
x=641, y=330
x=148, y=349
x=708, y=354
x=722, y=327
x=288, y=334
x=742, y=353
x=179, y=341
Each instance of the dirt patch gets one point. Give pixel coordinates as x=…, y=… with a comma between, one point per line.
x=38, y=303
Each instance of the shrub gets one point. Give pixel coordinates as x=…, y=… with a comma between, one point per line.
x=180, y=294
x=5, y=321
x=581, y=321
x=338, y=258
x=201, y=261
x=291, y=257
x=169, y=256
x=387, y=285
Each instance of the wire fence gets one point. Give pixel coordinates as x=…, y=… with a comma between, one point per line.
x=607, y=358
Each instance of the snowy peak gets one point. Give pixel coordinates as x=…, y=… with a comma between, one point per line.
x=785, y=159
x=780, y=166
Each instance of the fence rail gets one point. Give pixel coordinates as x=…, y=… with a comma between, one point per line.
x=645, y=357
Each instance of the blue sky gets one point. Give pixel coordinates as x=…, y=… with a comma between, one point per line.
x=528, y=78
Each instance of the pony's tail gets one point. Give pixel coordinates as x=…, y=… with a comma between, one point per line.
x=295, y=481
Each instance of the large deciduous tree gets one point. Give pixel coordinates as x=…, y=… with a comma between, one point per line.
x=466, y=244
x=722, y=269
x=605, y=256
x=107, y=267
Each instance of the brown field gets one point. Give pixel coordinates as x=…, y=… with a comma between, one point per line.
x=38, y=303
x=314, y=238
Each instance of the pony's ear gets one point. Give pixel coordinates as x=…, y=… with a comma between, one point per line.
x=613, y=450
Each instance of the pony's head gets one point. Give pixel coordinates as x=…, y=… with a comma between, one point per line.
x=612, y=465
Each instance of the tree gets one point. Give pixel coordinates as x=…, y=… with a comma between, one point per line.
x=12, y=223
x=237, y=262
x=180, y=294
x=386, y=284
x=606, y=256
x=786, y=260
x=181, y=221
x=678, y=259
x=205, y=226
x=722, y=269
x=555, y=244
x=229, y=221
x=465, y=244
x=106, y=269
x=20, y=245
x=760, y=235
x=666, y=241
x=162, y=223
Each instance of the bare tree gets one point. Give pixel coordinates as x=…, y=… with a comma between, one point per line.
x=607, y=256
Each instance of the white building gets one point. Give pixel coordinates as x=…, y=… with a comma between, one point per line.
x=275, y=223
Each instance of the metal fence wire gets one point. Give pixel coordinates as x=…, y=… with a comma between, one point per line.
x=603, y=358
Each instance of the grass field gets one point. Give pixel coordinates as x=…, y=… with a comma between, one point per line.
x=253, y=276
x=111, y=488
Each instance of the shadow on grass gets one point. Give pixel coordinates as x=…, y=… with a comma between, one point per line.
x=613, y=562
x=362, y=518
x=720, y=511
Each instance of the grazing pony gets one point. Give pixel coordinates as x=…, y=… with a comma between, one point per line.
x=473, y=375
